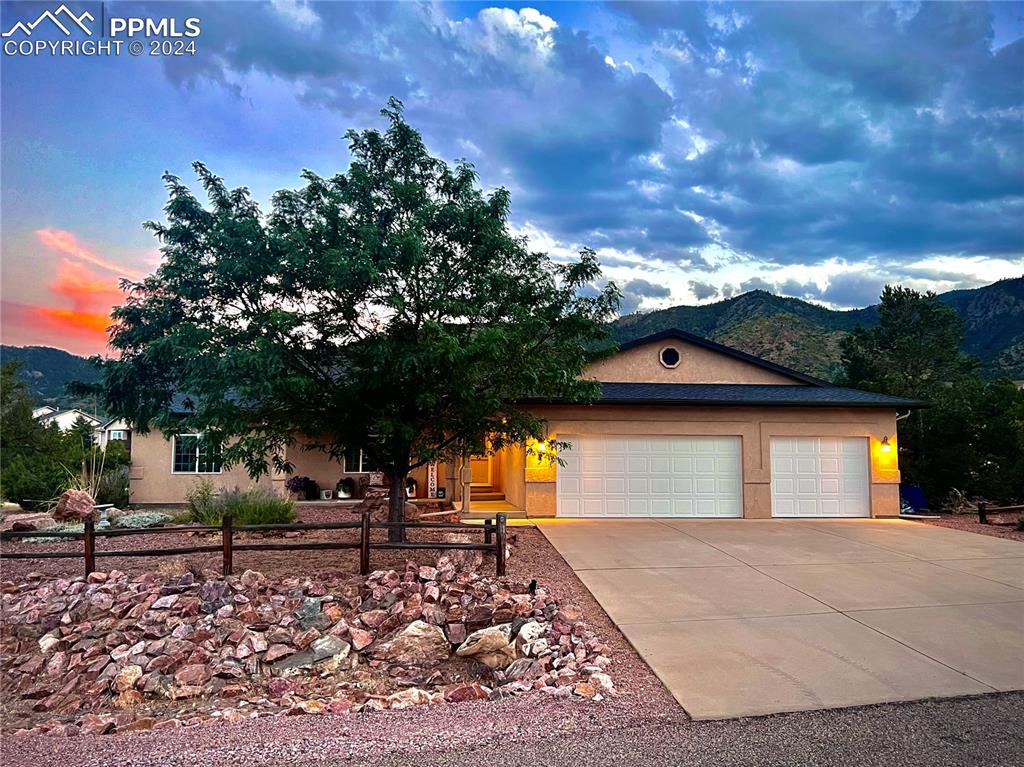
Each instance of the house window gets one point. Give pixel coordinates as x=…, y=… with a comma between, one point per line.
x=358, y=462
x=195, y=454
x=669, y=356
x=118, y=434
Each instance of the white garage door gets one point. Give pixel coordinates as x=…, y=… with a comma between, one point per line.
x=652, y=476
x=820, y=477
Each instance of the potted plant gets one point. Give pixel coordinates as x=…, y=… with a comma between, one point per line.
x=346, y=487
x=303, y=488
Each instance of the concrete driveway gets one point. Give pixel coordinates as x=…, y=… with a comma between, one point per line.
x=748, y=617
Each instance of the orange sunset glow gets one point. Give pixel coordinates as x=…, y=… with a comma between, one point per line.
x=82, y=291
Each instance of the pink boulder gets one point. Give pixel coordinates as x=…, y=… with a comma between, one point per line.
x=74, y=506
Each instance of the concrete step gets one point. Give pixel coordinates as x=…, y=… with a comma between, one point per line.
x=473, y=516
x=490, y=496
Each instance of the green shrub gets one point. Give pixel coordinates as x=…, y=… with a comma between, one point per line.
x=112, y=487
x=255, y=506
x=201, y=499
x=63, y=527
x=141, y=520
x=26, y=479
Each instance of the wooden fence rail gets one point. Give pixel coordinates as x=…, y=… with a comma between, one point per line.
x=984, y=510
x=494, y=534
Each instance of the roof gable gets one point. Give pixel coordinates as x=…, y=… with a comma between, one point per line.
x=701, y=361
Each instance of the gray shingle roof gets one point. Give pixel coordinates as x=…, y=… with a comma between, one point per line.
x=748, y=394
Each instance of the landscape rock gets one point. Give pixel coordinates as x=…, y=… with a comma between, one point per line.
x=490, y=646
x=418, y=644
x=184, y=648
x=74, y=506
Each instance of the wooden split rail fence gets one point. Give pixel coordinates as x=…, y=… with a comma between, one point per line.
x=493, y=530
x=984, y=510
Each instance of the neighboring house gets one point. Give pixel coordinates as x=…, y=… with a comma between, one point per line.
x=684, y=427
x=39, y=412
x=114, y=430
x=65, y=419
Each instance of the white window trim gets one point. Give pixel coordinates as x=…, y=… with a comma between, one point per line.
x=362, y=462
x=174, y=449
x=119, y=434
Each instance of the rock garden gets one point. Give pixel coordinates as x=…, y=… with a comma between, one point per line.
x=116, y=652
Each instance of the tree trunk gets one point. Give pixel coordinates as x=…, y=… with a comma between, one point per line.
x=396, y=504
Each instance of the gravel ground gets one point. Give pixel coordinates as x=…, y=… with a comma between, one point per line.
x=967, y=732
x=640, y=700
x=1002, y=525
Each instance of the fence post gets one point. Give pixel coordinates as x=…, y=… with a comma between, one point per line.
x=90, y=546
x=225, y=535
x=983, y=512
x=364, y=544
x=499, y=553
x=488, y=526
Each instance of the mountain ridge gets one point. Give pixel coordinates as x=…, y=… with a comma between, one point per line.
x=785, y=330
x=806, y=336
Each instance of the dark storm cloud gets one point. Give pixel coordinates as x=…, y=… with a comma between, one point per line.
x=789, y=132
x=756, y=283
x=648, y=289
x=703, y=290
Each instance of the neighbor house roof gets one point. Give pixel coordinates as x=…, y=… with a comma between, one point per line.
x=750, y=359
x=46, y=417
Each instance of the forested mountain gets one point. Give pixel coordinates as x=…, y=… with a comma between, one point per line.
x=806, y=336
x=48, y=371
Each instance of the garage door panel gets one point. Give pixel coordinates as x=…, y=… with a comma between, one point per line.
x=615, y=485
x=656, y=476
x=661, y=464
x=682, y=485
x=829, y=477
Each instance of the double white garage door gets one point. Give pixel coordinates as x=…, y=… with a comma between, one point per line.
x=660, y=476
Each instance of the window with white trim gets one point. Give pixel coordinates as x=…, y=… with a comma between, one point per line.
x=358, y=462
x=118, y=434
x=196, y=454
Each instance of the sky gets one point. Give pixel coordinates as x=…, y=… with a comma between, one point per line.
x=815, y=150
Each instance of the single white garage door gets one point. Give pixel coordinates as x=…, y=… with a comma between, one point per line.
x=606, y=476
x=820, y=477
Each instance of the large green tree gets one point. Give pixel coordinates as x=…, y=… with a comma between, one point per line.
x=387, y=307
x=972, y=437
x=35, y=461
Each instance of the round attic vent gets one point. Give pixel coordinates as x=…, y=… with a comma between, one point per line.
x=669, y=356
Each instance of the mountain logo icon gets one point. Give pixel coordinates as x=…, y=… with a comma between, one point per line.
x=62, y=18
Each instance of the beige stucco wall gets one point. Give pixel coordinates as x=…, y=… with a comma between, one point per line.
x=754, y=426
x=511, y=460
x=152, y=482
x=696, y=365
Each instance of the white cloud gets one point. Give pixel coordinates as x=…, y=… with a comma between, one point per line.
x=297, y=12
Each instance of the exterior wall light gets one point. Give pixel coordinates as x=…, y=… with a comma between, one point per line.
x=885, y=446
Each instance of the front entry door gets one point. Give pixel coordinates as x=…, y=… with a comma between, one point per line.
x=480, y=468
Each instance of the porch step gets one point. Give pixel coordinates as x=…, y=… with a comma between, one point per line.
x=482, y=515
x=486, y=495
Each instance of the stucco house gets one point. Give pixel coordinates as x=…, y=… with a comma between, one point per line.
x=114, y=430
x=684, y=427
x=64, y=419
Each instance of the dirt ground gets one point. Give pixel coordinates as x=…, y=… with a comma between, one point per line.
x=1000, y=525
